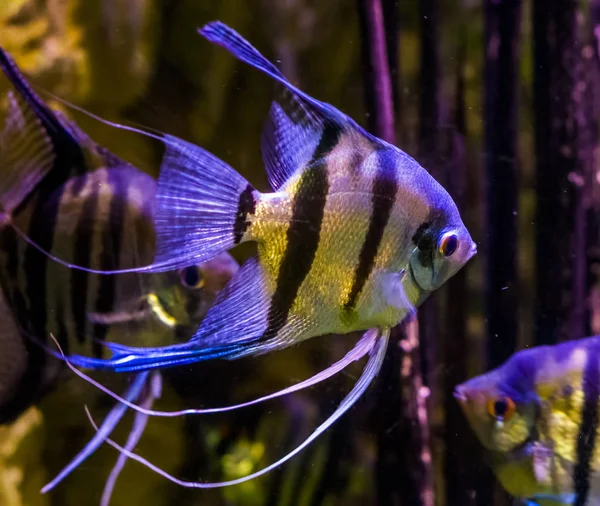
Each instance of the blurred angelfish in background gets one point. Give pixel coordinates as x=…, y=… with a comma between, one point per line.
x=79, y=201
x=537, y=415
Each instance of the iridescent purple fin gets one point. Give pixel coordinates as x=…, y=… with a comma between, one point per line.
x=296, y=120
x=202, y=206
x=372, y=368
x=107, y=427
x=26, y=150
x=233, y=327
x=287, y=145
x=150, y=393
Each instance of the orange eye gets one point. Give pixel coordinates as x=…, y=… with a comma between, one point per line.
x=448, y=244
x=501, y=408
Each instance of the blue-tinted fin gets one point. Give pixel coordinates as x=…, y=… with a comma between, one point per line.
x=31, y=141
x=372, y=368
x=552, y=499
x=202, y=206
x=224, y=36
x=47, y=118
x=26, y=154
x=362, y=347
x=150, y=393
x=107, y=427
x=287, y=143
x=233, y=327
x=296, y=120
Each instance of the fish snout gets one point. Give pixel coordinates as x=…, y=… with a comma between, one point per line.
x=460, y=395
x=473, y=250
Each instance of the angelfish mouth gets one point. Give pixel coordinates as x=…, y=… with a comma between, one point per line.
x=473, y=250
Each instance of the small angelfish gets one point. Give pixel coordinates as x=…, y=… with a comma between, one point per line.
x=81, y=202
x=355, y=235
x=538, y=416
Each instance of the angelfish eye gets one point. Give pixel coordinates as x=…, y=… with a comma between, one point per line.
x=448, y=244
x=501, y=408
x=191, y=277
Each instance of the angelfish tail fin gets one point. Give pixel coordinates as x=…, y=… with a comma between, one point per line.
x=203, y=206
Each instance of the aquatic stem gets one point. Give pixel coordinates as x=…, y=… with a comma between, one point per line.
x=378, y=83
x=501, y=39
x=404, y=470
x=461, y=452
x=554, y=65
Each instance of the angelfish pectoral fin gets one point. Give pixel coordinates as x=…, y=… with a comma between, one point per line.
x=393, y=291
x=372, y=368
x=107, y=427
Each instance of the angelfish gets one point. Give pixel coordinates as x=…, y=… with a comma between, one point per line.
x=80, y=201
x=537, y=416
x=355, y=235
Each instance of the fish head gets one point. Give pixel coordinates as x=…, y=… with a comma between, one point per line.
x=442, y=243
x=187, y=294
x=502, y=406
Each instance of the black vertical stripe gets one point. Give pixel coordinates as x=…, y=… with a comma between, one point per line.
x=82, y=254
x=10, y=273
x=110, y=256
x=28, y=300
x=586, y=439
x=385, y=186
x=35, y=263
x=308, y=209
x=246, y=206
x=31, y=303
x=69, y=161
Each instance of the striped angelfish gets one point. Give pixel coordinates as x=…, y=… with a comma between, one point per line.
x=538, y=416
x=355, y=235
x=78, y=201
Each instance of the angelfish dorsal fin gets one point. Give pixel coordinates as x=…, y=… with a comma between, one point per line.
x=296, y=121
x=289, y=138
x=26, y=154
